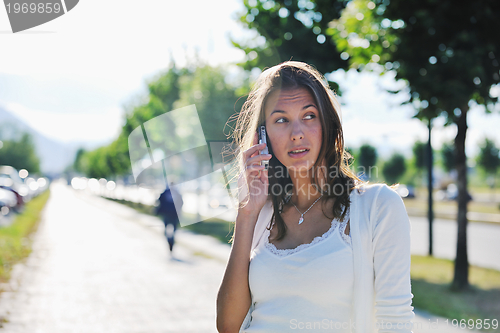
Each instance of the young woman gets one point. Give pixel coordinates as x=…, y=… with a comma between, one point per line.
x=314, y=248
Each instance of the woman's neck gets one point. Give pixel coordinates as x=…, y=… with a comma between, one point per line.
x=304, y=192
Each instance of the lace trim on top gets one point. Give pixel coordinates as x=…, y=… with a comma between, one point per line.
x=285, y=252
x=343, y=225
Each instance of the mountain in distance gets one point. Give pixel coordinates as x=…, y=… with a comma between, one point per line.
x=54, y=155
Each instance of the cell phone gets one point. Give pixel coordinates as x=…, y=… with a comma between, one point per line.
x=263, y=139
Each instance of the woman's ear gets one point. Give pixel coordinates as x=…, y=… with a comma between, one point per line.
x=269, y=146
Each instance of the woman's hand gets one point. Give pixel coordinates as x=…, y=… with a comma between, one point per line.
x=253, y=181
x=234, y=298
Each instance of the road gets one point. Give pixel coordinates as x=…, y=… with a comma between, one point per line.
x=92, y=270
x=98, y=266
x=483, y=240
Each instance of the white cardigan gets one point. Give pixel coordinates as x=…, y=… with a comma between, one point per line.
x=380, y=235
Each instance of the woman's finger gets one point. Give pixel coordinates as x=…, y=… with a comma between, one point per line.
x=252, y=151
x=258, y=158
x=264, y=177
x=255, y=168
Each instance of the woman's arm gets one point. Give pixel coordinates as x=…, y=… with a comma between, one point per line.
x=391, y=255
x=234, y=299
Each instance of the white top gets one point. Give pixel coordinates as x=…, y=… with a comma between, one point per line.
x=291, y=288
x=380, y=238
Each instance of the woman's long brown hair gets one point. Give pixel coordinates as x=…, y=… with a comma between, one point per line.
x=339, y=179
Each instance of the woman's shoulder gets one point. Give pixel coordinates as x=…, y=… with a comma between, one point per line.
x=367, y=188
x=382, y=203
x=376, y=191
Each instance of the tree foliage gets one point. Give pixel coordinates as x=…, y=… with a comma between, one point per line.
x=199, y=84
x=216, y=101
x=448, y=157
x=78, y=163
x=489, y=157
x=420, y=155
x=367, y=156
x=394, y=168
x=20, y=154
x=444, y=50
x=291, y=30
x=448, y=56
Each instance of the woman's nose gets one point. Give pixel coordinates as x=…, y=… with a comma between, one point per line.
x=297, y=133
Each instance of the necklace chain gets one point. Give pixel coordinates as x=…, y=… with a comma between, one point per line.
x=302, y=214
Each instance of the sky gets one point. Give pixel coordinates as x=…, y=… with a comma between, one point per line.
x=69, y=78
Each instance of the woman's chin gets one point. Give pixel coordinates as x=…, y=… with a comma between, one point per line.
x=300, y=169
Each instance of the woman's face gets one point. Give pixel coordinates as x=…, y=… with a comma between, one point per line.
x=294, y=128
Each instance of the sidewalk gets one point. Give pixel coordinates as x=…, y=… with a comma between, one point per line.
x=95, y=269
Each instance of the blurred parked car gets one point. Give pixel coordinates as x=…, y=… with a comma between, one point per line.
x=452, y=193
x=19, y=199
x=9, y=177
x=8, y=201
x=406, y=191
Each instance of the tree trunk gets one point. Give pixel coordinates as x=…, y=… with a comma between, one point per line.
x=461, y=277
x=430, y=212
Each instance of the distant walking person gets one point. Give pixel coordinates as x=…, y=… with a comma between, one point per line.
x=166, y=209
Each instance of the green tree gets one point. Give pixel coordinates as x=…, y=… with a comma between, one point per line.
x=447, y=55
x=489, y=159
x=164, y=88
x=418, y=164
x=394, y=168
x=216, y=100
x=198, y=84
x=20, y=154
x=367, y=158
x=95, y=160
x=419, y=155
x=113, y=160
x=291, y=30
x=448, y=157
x=78, y=164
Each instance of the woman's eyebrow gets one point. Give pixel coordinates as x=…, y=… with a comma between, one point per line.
x=277, y=111
x=305, y=107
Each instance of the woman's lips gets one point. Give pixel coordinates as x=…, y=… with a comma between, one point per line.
x=298, y=155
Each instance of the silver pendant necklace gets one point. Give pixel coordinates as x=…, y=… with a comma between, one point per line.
x=302, y=214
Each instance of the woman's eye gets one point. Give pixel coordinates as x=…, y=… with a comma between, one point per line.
x=310, y=116
x=281, y=120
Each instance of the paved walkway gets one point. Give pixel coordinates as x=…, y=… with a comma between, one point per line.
x=93, y=270
x=98, y=266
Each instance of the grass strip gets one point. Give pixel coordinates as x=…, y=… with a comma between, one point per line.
x=431, y=281
x=15, y=243
x=220, y=229
x=141, y=208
